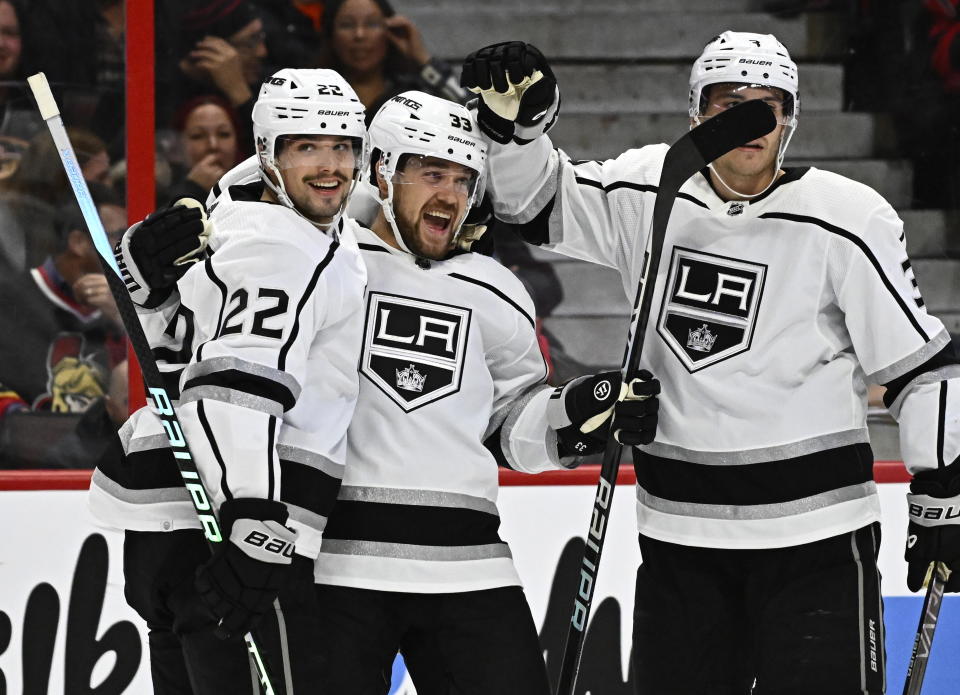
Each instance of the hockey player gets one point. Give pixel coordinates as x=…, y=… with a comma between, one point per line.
x=452, y=383
x=258, y=339
x=782, y=293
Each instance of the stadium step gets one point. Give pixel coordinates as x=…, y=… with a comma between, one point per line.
x=624, y=88
x=627, y=31
x=932, y=233
x=832, y=135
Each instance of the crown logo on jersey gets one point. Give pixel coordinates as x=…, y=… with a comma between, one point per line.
x=409, y=379
x=701, y=339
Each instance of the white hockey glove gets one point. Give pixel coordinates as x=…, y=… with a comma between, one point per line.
x=155, y=253
x=583, y=410
x=250, y=566
x=519, y=97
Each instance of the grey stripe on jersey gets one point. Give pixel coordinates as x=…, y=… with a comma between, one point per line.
x=288, y=452
x=549, y=189
x=517, y=408
x=406, y=551
x=146, y=496
x=222, y=364
x=951, y=371
x=754, y=512
x=771, y=453
x=913, y=361
x=234, y=397
x=318, y=522
x=421, y=498
x=144, y=442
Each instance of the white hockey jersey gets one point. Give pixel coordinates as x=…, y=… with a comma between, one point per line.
x=449, y=357
x=769, y=319
x=268, y=329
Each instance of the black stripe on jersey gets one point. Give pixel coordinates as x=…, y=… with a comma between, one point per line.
x=271, y=452
x=216, y=190
x=770, y=482
x=149, y=469
x=311, y=286
x=941, y=423
x=412, y=524
x=537, y=230
x=861, y=244
x=202, y=415
x=944, y=358
x=253, y=384
x=492, y=444
x=308, y=487
x=208, y=267
x=905, y=265
x=497, y=292
x=372, y=247
x=642, y=187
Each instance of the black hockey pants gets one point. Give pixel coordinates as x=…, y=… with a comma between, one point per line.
x=186, y=658
x=470, y=643
x=797, y=621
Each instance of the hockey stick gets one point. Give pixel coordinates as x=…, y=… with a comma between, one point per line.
x=688, y=155
x=923, y=642
x=163, y=406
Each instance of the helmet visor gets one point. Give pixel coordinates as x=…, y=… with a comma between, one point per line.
x=719, y=97
x=332, y=152
x=437, y=173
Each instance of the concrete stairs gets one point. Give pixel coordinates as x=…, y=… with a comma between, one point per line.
x=623, y=69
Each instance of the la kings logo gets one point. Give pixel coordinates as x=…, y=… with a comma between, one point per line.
x=710, y=306
x=413, y=349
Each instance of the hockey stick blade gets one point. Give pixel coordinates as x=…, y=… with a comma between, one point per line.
x=163, y=406
x=923, y=641
x=691, y=153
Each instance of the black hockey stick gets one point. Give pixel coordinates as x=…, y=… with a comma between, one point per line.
x=923, y=642
x=162, y=405
x=688, y=155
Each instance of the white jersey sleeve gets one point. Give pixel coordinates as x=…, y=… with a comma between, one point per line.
x=259, y=304
x=896, y=341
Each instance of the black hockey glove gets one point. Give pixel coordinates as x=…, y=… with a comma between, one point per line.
x=473, y=235
x=933, y=533
x=250, y=566
x=156, y=252
x=519, y=98
x=583, y=410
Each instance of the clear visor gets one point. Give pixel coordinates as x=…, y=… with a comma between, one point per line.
x=319, y=152
x=438, y=174
x=716, y=98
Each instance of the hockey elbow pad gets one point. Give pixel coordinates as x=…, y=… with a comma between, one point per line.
x=519, y=97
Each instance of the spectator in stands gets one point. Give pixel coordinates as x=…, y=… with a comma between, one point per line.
x=61, y=330
x=18, y=115
x=382, y=54
x=293, y=33
x=221, y=48
x=206, y=128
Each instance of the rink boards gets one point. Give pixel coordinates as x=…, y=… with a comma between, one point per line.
x=62, y=609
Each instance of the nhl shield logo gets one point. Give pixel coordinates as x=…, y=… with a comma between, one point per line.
x=710, y=306
x=413, y=349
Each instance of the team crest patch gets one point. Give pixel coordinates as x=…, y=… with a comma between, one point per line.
x=710, y=306
x=413, y=349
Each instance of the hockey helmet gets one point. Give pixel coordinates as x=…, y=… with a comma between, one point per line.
x=307, y=102
x=423, y=125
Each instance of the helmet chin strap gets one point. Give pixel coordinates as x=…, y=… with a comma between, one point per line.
x=781, y=150
x=280, y=191
x=387, y=205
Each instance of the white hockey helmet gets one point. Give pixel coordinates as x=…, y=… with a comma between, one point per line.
x=753, y=60
x=307, y=102
x=420, y=124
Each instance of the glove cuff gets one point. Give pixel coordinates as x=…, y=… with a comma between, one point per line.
x=495, y=127
x=250, y=508
x=928, y=511
x=137, y=286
